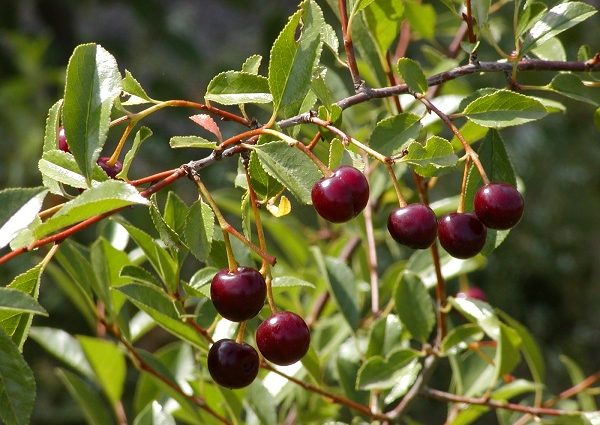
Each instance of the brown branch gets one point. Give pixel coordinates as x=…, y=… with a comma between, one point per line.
x=469, y=20
x=351, y=59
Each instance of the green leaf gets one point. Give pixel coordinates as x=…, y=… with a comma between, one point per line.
x=107, y=196
x=167, y=234
x=360, y=5
x=155, y=302
x=507, y=351
x=262, y=403
x=132, y=87
x=79, y=269
x=141, y=135
x=407, y=379
x=479, y=312
x=154, y=414
x=422, y=18
x=13, y=300
x=64, y=347
x=290, y=282
x=459, y=338
x=19, y=208
x=384, y=335
x=586, y=401
x=412, y=74
x=263, y=184
x=17, y=384
x=199, y=230
x=177, y=142
x=436, y=157
x=138, y=274
x=58, y=166
x=504, y=108
x=315, y=26
x=571, y=86
x=93, y=83
x=551, y=50
x=290, y=167
x=378, y=373
x=90, y=402
x=291, y=63
x=597, y=118
x=414, y=306
x=252, y=64
x=107, y=263
x=108, y=363
x=52, y=124
x=176, y=212
x=342, y=283
x=392, y=135
x=481, y=9
x=235, y=87
x=558, y=19
x=383, y=19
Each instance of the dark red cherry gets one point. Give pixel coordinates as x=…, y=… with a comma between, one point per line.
x=110, y=170
x=473, y=292
x=283, y=338
x=231, y=364
x=414, y=225
x=498, y=205
x=341, y=196
x=461, y=234
x=238, y=295
x=62, y=140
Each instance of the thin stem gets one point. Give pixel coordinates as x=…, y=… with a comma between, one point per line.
x=463, y=186
x=50, y=211
x=396, y=183
x=153, y=178
x=115, y=156
x=392, y=80
x=469, y=21
x=348, y=47
x=468, y=149
x=372, y=256
x=241, y=331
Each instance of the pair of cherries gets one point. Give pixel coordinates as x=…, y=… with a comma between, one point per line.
x=282, y=339
x=345, y=193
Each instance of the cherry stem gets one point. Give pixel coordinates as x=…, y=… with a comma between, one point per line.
x=241, y=331
x=372, y=256
x=396, y=183
x=115, y=156
x=468, y=149
x=463, y=186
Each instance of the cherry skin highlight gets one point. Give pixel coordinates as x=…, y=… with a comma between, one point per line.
x=415, y=226
x=498, y=205
x=283, y=338
x=231, y=364
x=341, y=196
x=461, y=234
x=62, y=140
x=110, y=170
x=238, y=295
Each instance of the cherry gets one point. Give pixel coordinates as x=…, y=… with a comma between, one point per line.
x=472, y=292
x=498, y=205
x=283, y=338
x=414, y=225
x=238, y=295
x=232, y=364
x=461, y=234
x=62, y=140
x=110, y=170
x=341, y=196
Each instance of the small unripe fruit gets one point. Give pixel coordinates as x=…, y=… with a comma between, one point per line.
x=498, y=205
x=62, y=140
x=415, y=226
x=110, y=170
x=283, y=338
x=231, y=364
x=238, y=295
x=473, y=292
x=461, y=234
x=341, y=196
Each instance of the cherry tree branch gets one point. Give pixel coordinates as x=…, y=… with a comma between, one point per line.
x=348, y=46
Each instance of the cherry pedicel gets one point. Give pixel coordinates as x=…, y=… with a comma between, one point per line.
x=341, y=196
x=498, y=205
x=110, y=170
x=232, y=364
x=414, y=225
x=238, y=295
x=461, y=234
x=283, y=338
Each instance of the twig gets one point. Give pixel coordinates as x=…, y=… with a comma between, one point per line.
x=371, y=255
x=351, y=59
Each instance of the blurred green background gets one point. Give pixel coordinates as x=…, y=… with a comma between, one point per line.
x=547, y=274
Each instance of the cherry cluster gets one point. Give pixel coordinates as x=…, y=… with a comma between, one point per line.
x=110, y=170
x=344, y=194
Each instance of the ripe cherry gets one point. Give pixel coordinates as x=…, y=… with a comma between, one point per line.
x=110, y=170
x=283, y=338
x=238, y=295
x=498, y=205
x=414, y=225
x=462, y=234
x=62, y=140
x=341, y=196
x=231, y=364
x=472, y=292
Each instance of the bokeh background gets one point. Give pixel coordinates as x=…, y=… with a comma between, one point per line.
x=547, y=274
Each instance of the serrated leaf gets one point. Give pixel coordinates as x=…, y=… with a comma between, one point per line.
x=412, y=74
x=504, y=108
x=252, y=64
x=108, y=364
x=199, y=230
x=263, y=184
x=20, y=207
x=16, y=301
x=177, y=142
x=315, y=25
x=141, y=136
x=290, y=167
x=93, y=83
x=58, y=166
x=235, y=87
x=383, y=19
x=558, y=19
x=107, y=196
x=176, y=212
x=89, y=400
x=414, y=306
x=167, y=234
x=17, y=384
x=436, y=157
x=52, y=124
x=459, y=338
x=378, y=373
x=384, y=335
x=132, y=87
x=570, y=85
x=208, y=123
x=392, y=135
